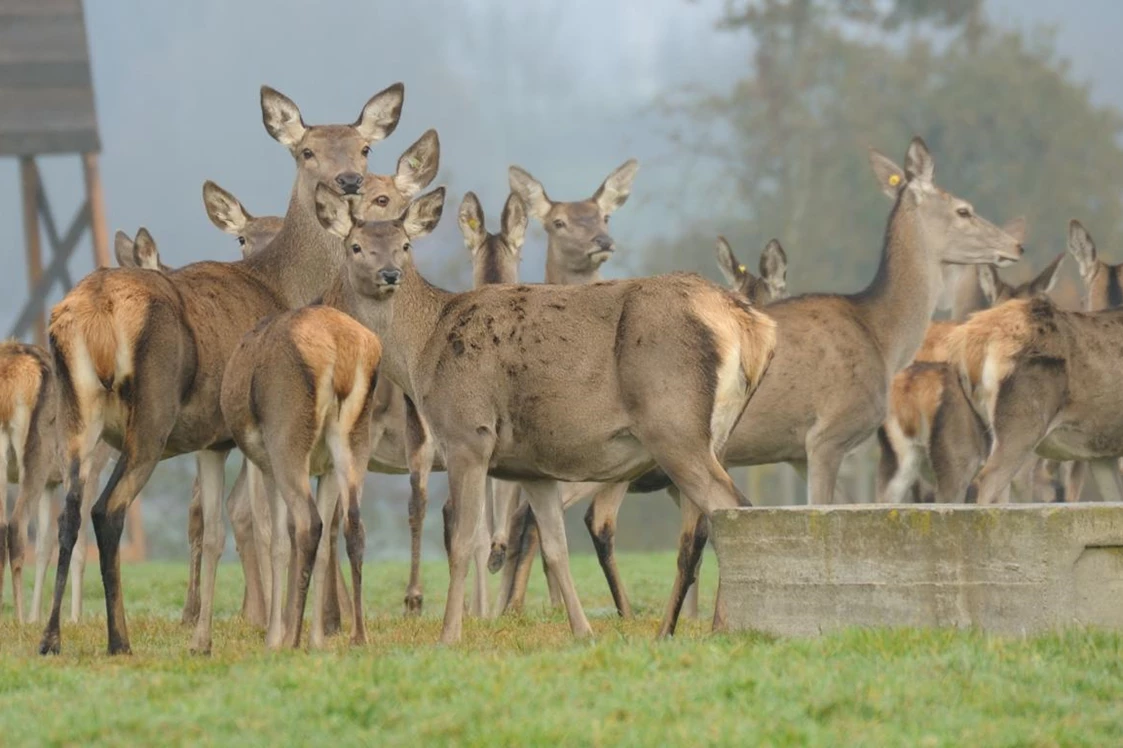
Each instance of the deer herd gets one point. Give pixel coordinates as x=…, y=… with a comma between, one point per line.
x=325, y=353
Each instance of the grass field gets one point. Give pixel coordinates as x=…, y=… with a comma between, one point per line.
x=523, y=681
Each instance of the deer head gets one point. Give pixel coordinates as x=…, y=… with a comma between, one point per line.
x=229, y=215
x=996, y=291
x=949, y=228
x=386, y=196
x=772, y=284
x=378, y=252
x=578, y=231
x=335, y=155
x=495, y=257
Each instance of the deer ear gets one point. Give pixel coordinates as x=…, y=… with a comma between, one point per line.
x=988, y=282
x=380, y=115
x=123, y=250
x=424, y=213
x=530, y=190
x=727, y=263
x=147, y=255
x=470, y=218
x=282, y=117
x=616, y=187
x=1047, y=279
x=223, y=209
x=419, y=164
x=774, y=268
x=890, y=176
x=513, y=222
x=918, y=162
x=333, y=211
x=1082, y=248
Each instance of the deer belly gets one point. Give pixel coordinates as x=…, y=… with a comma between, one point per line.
x=615, y=457
x=1069, y=443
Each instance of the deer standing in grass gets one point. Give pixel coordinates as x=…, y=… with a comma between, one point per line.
x=556, y=383
x=770, y=285
x=932, y=430
x=578, y=244
x=827, y=388
x=1044, y=379
x=124, y=339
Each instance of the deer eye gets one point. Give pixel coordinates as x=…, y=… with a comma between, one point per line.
x=964, y=212
x=559, y=223
x=307, y=153
x=366, y=150
x=406, y=247
x=242, y=240
x=356, y=248
x=382, y=201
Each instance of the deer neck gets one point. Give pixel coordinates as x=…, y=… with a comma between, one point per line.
x=559, y=273
x=899, y=303
x=303, y=259
x=403, y=321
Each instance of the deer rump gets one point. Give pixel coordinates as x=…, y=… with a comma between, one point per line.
x=572, y=380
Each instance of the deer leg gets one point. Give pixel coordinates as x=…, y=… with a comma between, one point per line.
x=33, y=471
x=332, y=612
x=481, y=548
x=307, y=531
x=516, y=571
x=600, y=519
x=4, y=441
x=504, y=500
x=280, y=550
x=355, y=535
x=955, y=464
x=240, y=511
x=327, y=499
x=1108, y=479
x=43, y=549
x=342, y=594
x=420, y=451
x=1077, y=471
x=79, y=453
x=259, y=501
x=545, y=502
x=212, y=473
x=194, y=553
x=467, y=480
x=824, y=458
x=100, y=458
x=692, y=541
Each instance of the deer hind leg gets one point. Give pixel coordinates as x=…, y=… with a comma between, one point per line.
x=333, y=598
x=342, y=594
x=4, y=441
x=327, y=500
x=100, y=458
x=44, y=547
x=355, y=535
x=519, y=561
x=212, y=472
x=280, y=549
x=240, y=510
x=307, y=530
x=79, y=449
x=190, y=615
x=600, y=519
x=1108, y=479
x=692, y=541
x=545, y=500
x=420, y=450
x=259, y=500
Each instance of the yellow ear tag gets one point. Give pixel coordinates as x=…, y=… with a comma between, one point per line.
x=414, y=162
x=473, y=224
x=741, y=268
x=894, y=180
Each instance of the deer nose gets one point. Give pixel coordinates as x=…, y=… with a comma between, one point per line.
x=349, y=182
x=604, y=242
x=390, y=277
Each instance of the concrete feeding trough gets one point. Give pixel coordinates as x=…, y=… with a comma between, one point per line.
x=1012, y=569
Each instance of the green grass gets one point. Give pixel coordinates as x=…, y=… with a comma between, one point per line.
x=523, y=681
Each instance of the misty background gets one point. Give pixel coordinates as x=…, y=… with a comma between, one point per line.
x=748, y=117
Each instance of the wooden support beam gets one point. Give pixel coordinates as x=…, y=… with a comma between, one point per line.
x=34, y=308
x=29, y=183
x=96, y=199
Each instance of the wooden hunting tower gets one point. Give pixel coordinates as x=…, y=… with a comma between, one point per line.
x=47, y=108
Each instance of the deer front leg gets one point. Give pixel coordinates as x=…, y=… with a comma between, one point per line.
x=467, y=480
x=1108, y=479
x=240, y=511
x=420, y=452
x=212, y=473
x=333, y=610
x=327, y=499
x=100, y=458
x=504, y=499
x=44, y=547
x=194, y=552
